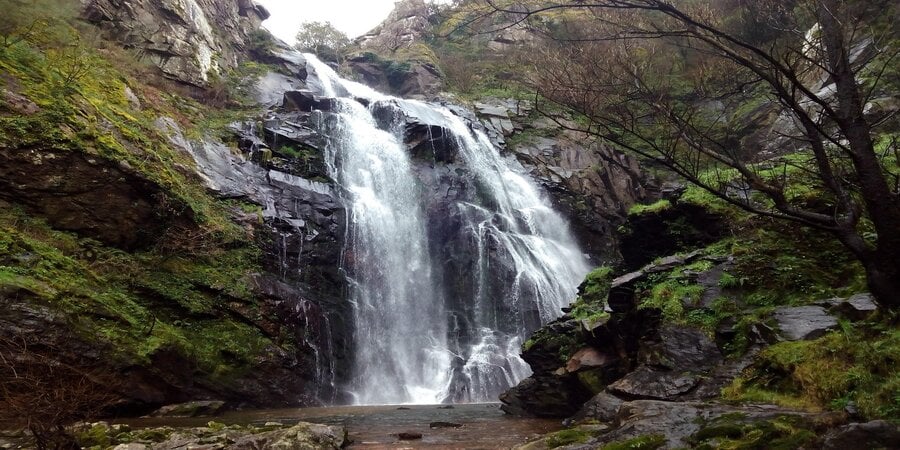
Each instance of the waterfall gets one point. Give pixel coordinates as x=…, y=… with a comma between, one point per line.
x=431, y=328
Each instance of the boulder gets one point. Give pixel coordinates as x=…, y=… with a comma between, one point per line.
x=589, y=358
x=545, y=396
x=856, y=307
x=190, y=409
x=306, y=101
x=649, y=383
x=603, y=407
x=863, y=436
x=803, y=322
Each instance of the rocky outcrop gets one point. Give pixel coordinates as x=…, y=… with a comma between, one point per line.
x=90, y=195
x=406, y=25
x=393, y=57
x=677, y=227
x=189, y=40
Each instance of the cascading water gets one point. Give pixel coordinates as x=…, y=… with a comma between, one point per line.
x=420, y=336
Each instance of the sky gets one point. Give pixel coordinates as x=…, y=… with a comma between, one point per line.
x=354, y=17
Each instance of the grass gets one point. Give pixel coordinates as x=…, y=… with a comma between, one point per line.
x=859, y=363
x=658, y=206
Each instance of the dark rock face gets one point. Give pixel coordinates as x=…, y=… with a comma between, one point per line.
x=412, y=79
x=860, y=436
x=186, y=39
x=670, y=367
x=302, y=242
x=169, y=377
x=88, y=195
x=398, y=37
x=677, y=228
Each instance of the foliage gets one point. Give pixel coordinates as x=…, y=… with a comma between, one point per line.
x=659, y=205
x=83, y=107
x=35, y=21
x=323, y=39
x=591, y=300
x=178, y=295
x=40, y=393
x=567, y=437
x=137, y=303
x=859, y=363
x=782, y=433
x=688, y=85
x=647, y=442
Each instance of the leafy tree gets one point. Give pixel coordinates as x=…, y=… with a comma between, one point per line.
x=323, y=39
x=35, y=21
x=684, y=84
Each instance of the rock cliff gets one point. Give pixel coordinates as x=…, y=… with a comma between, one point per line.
x=188, y=40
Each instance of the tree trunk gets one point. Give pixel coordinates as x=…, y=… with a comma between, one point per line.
x=883, y=278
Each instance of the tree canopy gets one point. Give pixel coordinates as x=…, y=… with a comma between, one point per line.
x=323, y=39
x=779, y=108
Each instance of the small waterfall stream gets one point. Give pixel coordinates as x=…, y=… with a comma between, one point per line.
x=428, y=330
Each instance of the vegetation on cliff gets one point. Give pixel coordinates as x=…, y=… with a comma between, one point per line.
x=173, y=302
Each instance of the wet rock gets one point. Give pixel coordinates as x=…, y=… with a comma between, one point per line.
x=306, y=101
x=603, y=407
x=409, y=436
x=545, y=396
x=857, y=307
x=679, y=422
x=301, y=436
x=190, y=409
x=672, y=364
x=863, y=436
x=654, y=384
x=91, y=196
x=444, y=425
x=803, y=322
x=589, y=358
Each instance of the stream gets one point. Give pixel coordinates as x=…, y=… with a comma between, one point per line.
x=483, y=425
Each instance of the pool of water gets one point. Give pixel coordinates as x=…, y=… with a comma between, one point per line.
x=483, y=426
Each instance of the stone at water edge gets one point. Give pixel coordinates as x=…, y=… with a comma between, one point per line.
x=444, y=425
x=409, y=436
x=190, y=409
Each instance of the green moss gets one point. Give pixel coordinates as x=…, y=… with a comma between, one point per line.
x=140, y=304
x=648, y=442
x=660, y=205
x=859, y=363
x=592, y=381
x=568, y=437
x=782, y=433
